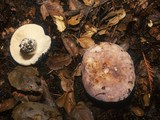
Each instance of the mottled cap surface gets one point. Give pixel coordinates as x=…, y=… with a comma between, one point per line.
x=108, y=72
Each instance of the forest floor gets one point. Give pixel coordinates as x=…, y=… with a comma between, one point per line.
x=74, y=26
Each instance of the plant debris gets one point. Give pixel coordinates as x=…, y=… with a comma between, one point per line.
x=52, y=88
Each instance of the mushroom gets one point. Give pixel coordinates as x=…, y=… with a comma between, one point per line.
x=28, y=44
x=108, y=72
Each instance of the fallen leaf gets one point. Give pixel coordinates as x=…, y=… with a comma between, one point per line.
x=35, y=111
x=25, y=79
x=90, y=30
x=81, y=112
x=66, y=80
x=58, y=61
x=59, y=21
x=89, y=2
x=8, y=104
x=86, y=42
x=70, y=44
x=55, y=10
x=67, y=101
x=77, y=71
x=75, y=20
x=44, y=11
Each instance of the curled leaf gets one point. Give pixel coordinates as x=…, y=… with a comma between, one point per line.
x=70, y=44
x=86, y=42
x=89, y=2
x=75, y=20
x=35, y=111
x=67, y=101
x=25, y=79
x=58, y=61
x=81, y=112
x=66, y=81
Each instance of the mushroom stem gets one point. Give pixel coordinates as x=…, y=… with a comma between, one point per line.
x=28, y=46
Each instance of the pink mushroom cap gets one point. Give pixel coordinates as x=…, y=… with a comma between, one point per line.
x=108, y=72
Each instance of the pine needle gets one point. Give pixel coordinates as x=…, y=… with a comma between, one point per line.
x=149, y=72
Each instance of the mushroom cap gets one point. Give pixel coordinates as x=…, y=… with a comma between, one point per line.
x=31, y=31
x=108, y=72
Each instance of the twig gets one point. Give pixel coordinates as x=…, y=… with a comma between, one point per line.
x=149, y=72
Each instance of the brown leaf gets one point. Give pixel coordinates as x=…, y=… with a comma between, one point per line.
x=67, y=101
x=77, y=71
x=58, y=61
x=25, y=79
x=90, y=30
x=70, y=44
x=8, y=104
x=86, y=42
x=44, y=11
x=74, y=4
x=66, y=81
x=89, y=2
x=81, y=112
x=75, y=20
x=55, y=10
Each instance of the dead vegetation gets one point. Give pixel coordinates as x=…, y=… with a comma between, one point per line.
x=74, y=26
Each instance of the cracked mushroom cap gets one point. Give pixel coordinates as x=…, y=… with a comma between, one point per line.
x=28, y=44
x=108, y=72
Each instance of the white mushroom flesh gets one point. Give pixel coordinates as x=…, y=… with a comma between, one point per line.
x=28, y=44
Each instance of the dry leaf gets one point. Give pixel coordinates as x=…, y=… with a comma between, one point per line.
x=77, y=71
x=25, y=79
x=70, y=44
x=8, y=104
x=55, y=10
x=44, y=11
x=61, y=100
x=75, y=20
x=81, y=112
x=67, y=101
x=86, y=42
x=58, y=61
x=59, y=21
x=90, y=30
x=120, y=14
x=89, y=2
x=66, y=81
x=74, y=4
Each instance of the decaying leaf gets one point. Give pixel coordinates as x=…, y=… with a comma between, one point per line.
x=75, y=20
x=8, y=104
x=90, y=30
x=81, y=112
x=25, y=79
x=89, y=2
x=59, y=20
x=66, y=80
x=70, y=44
x=77, y=71
x=86, y=42
x=113, y=18
x=44, y=11
x=35, y=111
x=55, y=10
x=67, y=101
x=58, y=61
x=74, y=4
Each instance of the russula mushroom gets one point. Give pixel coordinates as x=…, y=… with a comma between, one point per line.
x=108, y=72
x=28, y=44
